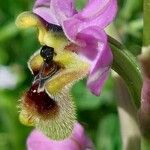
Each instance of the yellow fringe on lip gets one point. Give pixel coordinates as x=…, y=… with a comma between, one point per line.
x=25, y=118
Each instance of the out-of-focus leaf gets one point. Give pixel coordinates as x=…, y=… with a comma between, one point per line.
x=3, y=56
x=80, y=4
x=8, y=31
x=85, y=100
x=108, y=135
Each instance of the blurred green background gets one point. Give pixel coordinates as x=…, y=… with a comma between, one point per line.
x=98, y=114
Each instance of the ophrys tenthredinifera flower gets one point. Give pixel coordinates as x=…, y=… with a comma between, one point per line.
x=74, y=45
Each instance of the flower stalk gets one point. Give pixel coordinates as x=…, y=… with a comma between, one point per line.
x=126, y=66
x=146, y=28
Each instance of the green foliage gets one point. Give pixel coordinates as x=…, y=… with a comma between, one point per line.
x=108, y=136
x=97, y=114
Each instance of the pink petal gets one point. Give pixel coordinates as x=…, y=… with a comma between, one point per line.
x=78, y=141
x=98, y=12
x=101, y=65
x=86, y=29
x=145, y=95
x=42, y=9
x=100, y=72
x=63, y=9
x=54, y=11
x=96, y=50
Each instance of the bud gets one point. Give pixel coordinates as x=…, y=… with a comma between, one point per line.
x=77, y=141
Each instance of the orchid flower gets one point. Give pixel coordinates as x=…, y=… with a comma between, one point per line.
x=77, y=141
x=74, y=45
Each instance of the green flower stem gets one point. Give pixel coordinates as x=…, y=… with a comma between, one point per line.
x=146, y=29
x=126, y=65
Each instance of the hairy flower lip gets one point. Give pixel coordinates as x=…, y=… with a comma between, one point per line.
x=58, y=88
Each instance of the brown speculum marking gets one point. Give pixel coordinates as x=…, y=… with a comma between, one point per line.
x=40, y=102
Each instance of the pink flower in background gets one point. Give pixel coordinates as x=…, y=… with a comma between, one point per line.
x=144, y=112
x=85, y=29
x=78, y=141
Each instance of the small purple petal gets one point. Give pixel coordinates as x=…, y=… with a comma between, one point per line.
x=78, y=141
x=101, y=70
x=43, y=3
x=96, y=50
x=145, y=95
x=54, y=11
x=63, y=9
x=42, y=9
x=98, y=12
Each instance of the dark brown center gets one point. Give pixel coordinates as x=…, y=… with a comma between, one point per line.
x=40, y=102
